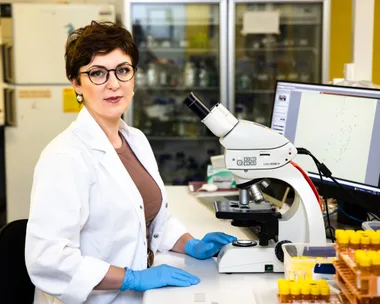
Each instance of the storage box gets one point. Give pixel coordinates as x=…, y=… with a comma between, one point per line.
x=372, y=225
x=308, y=261
x=222, y=178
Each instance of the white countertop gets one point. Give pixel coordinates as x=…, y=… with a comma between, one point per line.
x=214, y=288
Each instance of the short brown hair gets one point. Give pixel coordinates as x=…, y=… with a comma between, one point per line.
x=98, y=37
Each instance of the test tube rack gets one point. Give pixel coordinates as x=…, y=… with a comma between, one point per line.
x=347, y=278
x=334, y=299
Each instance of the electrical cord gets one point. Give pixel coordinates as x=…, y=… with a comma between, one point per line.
x=328, y=228
x=331, y=213
x=327, y=173
x=349, y=216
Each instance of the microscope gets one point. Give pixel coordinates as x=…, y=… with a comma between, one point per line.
x=256, y=154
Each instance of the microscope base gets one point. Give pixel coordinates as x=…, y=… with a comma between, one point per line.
x=233, y=259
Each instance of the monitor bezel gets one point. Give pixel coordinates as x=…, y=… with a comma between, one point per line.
x=370, y=200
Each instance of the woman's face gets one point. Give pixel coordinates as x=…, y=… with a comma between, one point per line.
x=107, y=101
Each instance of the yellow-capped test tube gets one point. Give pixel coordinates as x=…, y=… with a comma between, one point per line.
x=338, y=232
x=376, y=265
x=325, y=294
x=365, y=242
x=305, y=293
x=295, y=293
x=354, y=241
x=375, y=241
x=322, y=283
x=359, y=253
x=284, y=292
x=315, y=294
x=364, y=269
x=281, y=282
x=343, y=242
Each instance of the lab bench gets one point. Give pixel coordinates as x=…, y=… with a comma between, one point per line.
x=215, y=287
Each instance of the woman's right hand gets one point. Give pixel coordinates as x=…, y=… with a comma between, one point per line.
x=155, y=277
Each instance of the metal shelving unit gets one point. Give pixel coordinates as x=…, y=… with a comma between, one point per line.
x=182, y=47
x=257, y=59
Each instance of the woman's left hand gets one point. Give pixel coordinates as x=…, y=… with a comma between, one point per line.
x=207, y=247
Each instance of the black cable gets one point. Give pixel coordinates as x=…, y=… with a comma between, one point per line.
x=318, y=164
x=319, y=167
x=329, y=227
x=327, y=173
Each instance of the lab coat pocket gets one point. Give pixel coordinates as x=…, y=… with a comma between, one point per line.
x=96, y=237
x=97, y=245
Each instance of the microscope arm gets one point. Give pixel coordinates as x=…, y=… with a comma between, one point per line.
x=254, y=152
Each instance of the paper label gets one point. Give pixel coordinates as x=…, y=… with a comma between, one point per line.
x=34, y=94
x=261, y=23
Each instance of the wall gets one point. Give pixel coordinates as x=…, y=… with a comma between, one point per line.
x=341, y=39
x=376, y=45
x=340, y=36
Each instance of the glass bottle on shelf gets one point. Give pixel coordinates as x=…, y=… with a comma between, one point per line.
x=203, y=76
x=240, y=111
x=178, y=75
x=189, y=74
x=303, y=35
x=163, y=75
x=269, y=41
x=244, y=82
x=281, y=70
x=172, y=70
x=244, y=74
x=140, y=78
x=255, y=43
x=304, y=70
x=151, y=73
x=262, y=76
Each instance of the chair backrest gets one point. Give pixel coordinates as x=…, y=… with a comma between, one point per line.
x=15, y=284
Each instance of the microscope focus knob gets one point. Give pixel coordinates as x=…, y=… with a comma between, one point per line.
x=278, y=250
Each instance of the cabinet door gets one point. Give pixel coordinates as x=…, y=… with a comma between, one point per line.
x=179, y=46
x=273, y=41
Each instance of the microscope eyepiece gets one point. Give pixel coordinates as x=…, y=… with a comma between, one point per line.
x=196, y=105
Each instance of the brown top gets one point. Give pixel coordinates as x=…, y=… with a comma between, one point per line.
x=149, y=190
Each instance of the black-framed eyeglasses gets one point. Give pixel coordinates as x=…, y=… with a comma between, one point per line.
x=100, y=75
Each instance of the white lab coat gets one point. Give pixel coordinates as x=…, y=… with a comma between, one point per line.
x=87, y=214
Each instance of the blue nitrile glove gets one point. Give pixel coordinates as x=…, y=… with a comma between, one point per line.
x=210, y=244
x=155, y=277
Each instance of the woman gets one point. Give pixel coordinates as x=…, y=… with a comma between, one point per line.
x=98, y=204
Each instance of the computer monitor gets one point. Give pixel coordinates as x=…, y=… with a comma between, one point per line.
x=340, y=126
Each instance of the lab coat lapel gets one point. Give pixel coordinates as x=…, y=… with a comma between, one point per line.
x=111, y=162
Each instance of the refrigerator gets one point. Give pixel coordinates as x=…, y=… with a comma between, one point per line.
x=38, y=101
x=183, y=49
x=270, y=41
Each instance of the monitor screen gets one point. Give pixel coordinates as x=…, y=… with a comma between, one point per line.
x=339, y=125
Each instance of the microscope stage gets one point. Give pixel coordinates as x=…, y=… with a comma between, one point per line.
x=254, y=211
